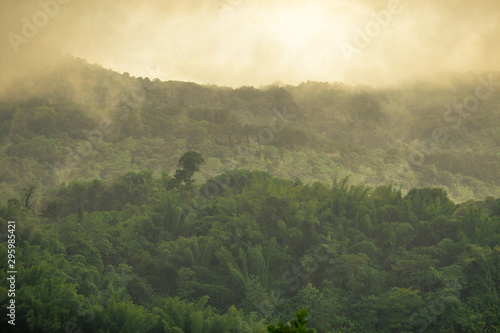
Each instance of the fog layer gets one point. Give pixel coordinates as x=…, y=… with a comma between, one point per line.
x=242, y=42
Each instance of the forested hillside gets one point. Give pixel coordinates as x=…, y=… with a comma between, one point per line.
x=81, y=122
x=150, y=206
x=153, y=254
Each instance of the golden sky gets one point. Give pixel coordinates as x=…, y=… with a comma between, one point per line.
x=257, y=42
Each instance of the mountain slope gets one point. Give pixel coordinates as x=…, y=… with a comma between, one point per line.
x=80, y=121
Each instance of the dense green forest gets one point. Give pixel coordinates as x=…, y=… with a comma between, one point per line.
x=77, y=121
x=250, y=250
x=150, y=206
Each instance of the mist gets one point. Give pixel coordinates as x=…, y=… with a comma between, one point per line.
x=241, y=42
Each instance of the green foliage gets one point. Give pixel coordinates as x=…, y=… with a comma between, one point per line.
x=101, y=124
x=190, y=163
x=130, y=255
x=298, y=325
x=364, y=238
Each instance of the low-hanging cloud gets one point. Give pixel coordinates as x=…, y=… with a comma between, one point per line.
x=243, y=42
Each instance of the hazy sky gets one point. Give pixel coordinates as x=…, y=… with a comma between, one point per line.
x=257, y=42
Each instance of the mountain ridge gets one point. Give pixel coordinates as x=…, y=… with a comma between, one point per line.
x=314, y=131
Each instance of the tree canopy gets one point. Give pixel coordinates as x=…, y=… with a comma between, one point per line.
x=131, y=255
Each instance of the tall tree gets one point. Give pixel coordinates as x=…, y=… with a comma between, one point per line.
x=190, y=163
x=27, y=195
